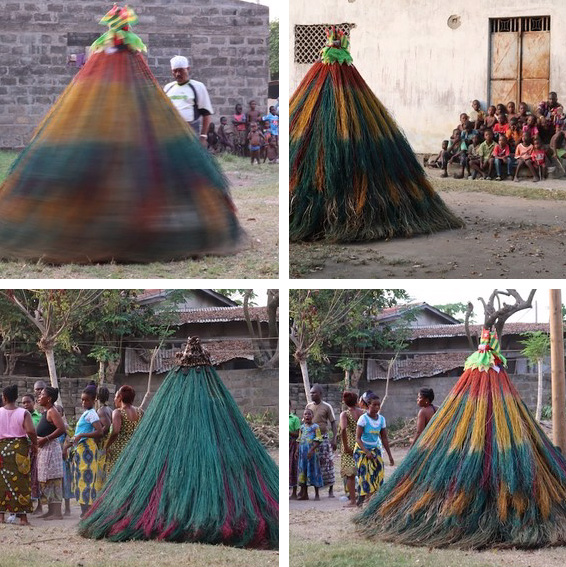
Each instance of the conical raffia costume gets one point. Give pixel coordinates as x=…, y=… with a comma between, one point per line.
x=113, y=172
x=353, y=174
x=193, y=470
x=482, y=474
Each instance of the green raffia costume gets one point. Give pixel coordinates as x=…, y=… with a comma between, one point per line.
x=353, y=174
x=482, y=474
x=192, y=471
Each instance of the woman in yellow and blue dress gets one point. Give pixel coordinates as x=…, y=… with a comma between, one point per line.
x=371, y=439
x=85, y=462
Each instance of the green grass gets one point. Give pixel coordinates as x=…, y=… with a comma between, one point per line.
x=524, y=189
x=256, y=194
x=345, y=554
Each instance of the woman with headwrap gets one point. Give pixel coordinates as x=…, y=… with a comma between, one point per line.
x=50, y=459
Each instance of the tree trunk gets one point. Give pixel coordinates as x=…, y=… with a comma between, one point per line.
x=50, y=356
x=101, y=371
x=111, y=369
x=306, y=381
x=538, y=413
x=347, y=380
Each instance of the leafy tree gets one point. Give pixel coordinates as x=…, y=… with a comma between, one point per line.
x=456, y=310
x=274, y=48
x=54, y=313
x=537, y=347
x=320, y=319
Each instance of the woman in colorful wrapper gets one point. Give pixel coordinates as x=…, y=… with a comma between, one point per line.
x=125, y=419
x=371, y=439
x=353, y=174
x=348, y=424
x=309, y=440
x=113, y=172
x=50, y=470
x=16, y=427
x=85, y=462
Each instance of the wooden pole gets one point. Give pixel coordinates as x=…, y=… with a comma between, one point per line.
x=557, y=371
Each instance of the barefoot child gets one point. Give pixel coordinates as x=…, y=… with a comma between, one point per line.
x=371, y=439
x=294, y=428
x=523, y=156
x=256, y=140
x=310, y=439
x=272, y=151
x=538, y=157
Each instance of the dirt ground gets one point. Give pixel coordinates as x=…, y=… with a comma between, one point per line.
x=513, y=230
x=57, y=543
x=327, y=525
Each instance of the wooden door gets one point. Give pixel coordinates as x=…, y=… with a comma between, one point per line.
x=520, y=60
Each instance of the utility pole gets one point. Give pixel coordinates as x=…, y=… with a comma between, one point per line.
x=557, y=371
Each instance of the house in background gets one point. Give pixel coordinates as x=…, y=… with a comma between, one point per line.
x=437, y=348
x=427, y=61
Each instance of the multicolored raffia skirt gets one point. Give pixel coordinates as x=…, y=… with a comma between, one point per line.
x=353, y=174
x=15, y=469
x=113, y=173
x=84, y=471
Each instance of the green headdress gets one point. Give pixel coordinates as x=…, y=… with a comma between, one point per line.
x=119, y=20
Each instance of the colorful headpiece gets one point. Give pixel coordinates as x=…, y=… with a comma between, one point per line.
x=488, y=354
x=336, y=49
x=118, y=21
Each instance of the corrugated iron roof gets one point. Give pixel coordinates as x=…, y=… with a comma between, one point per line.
x=139, y=359
x=418, y=366
x=222, y=314
x=433, y=331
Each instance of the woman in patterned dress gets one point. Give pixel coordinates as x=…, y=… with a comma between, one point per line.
x=85, y=463
x=125, y=419
x=371, y=439
x=348, y=421
x=16, y=426
x=50, y=471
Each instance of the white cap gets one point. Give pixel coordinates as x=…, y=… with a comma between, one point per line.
x=179, y=62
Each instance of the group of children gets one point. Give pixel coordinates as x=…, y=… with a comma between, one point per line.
x=499, y=142
x=249, y=133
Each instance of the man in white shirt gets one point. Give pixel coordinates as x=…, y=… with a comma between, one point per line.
x=190, y=97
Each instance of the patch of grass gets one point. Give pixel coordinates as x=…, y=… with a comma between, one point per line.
x=255, y=190
x=524, y=189
x=134, y=554
x=375, y=553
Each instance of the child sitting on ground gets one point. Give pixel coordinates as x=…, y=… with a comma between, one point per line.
x=523, y=113
x=523, y=156
x=309, y=441
x=538, y=157
x=490, y=119
x=501, y=156
x=477, y=115
x=511, y=112
x=500, y=126
x=256, y=141
x=485, y=151
x=438, y=161
x=531, y=127
x=473, y=155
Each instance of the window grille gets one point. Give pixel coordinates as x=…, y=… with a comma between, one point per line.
x=309, y=40
x=526, y=24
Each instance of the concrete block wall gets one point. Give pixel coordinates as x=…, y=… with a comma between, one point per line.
x=402, y=399
x=226, y=40
x=255, y=391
